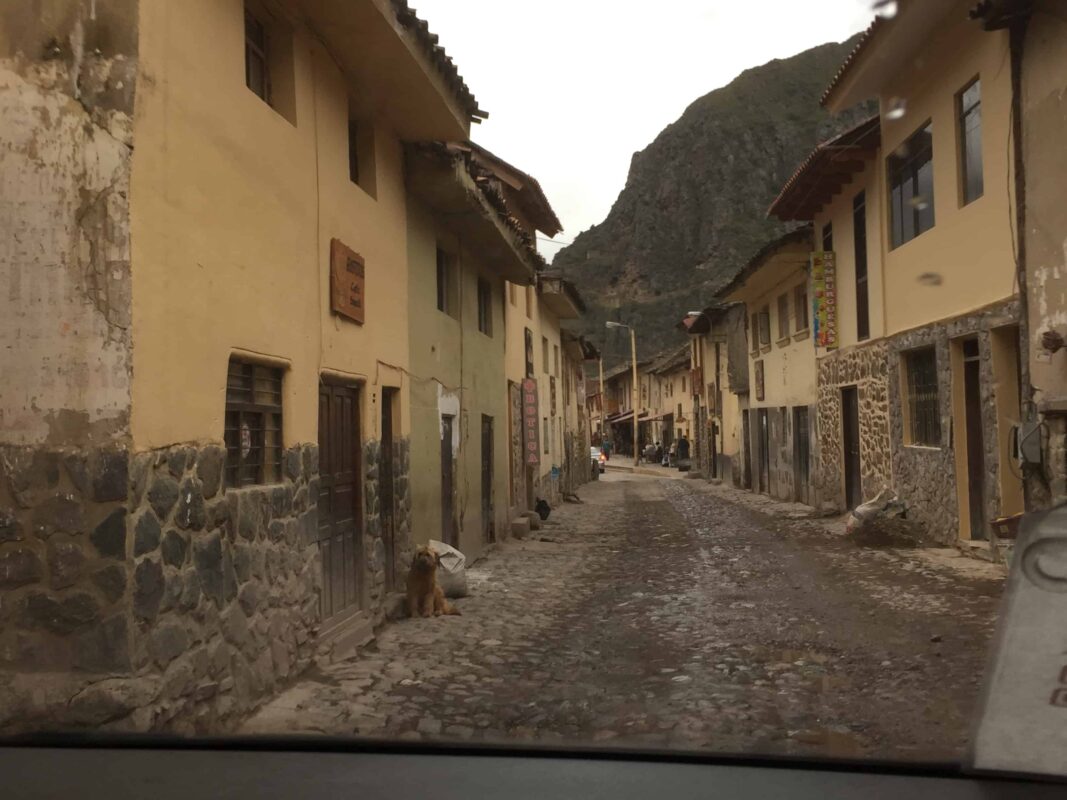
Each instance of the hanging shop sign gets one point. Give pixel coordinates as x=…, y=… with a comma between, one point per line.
x=530, y=440
x=824, y=299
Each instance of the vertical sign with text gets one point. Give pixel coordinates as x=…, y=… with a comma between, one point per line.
x=824, y=299
x=530, y=438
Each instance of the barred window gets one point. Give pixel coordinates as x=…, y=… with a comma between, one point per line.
x=253, y=430
x=925, y=422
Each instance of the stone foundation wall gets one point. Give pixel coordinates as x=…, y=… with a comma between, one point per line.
x=865, y=368
x=374, y=545
x=925, y=477
x=140, y=594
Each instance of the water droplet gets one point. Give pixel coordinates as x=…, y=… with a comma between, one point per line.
x=919, y=202
x=886, y=9
x=930, y=279
x=896, y=108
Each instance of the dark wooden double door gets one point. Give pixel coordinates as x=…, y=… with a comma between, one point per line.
x=340, y=501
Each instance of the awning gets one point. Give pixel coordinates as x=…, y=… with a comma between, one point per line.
x=625, y=417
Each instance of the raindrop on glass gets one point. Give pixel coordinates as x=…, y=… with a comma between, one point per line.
x=930, y=279
x=919, y=202
x=895, y=108
x=886, y=9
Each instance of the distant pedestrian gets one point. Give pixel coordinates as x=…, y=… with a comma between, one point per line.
x=659, y=453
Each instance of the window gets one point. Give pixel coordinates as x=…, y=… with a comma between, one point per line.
x=969, y=109
x=253, y=427
x=446, y=282
x=353, y=151
x=754, y=341
x=683, y=384
x=269, y=60
x=859, y=238
x=925, y=417
x=555, y=360
x=544, y=355
x=800, y=306
x=911, y=187
x=828, y=237
x=783, y=316
x=257, y=68
x=544, y=426
x=485, y=307
x=511, y=293
x=765, y=326
x=361, y=155
x=529, y=302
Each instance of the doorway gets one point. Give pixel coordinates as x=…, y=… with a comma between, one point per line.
x=449, y=532
x=764, y=451
x=801, y=456
x=972, y=404
x=488, y=524
x=386, y=485
x=850, y=431
x=746, y=447
x=340, y=500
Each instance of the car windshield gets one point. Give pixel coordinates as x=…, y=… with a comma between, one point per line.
x=311, y=311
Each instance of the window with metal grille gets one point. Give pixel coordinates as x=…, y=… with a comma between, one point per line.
x=783, y=316
x=969, y=108
x=924, y=412
x=257, y=68
x=800, y=306
x=765, y=326
x=859, y=238
x=485, y=307
x=253, y=429
x=911, y=186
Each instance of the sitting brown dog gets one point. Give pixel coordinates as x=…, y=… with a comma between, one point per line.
x=425, y=597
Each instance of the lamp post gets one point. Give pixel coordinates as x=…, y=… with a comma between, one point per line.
x=633, y=367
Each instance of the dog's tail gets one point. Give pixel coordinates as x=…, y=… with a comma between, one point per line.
x=451, y=609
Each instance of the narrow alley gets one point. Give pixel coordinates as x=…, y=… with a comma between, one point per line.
x=659, y=613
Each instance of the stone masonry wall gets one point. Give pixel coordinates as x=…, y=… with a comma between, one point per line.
x=925, y=477
x=139, y=594
x=865, y=368
x=373, y=543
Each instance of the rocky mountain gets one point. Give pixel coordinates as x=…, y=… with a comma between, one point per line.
x=694, y=206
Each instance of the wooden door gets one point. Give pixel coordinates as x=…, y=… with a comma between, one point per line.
x=448, y=483
x=746, y=439
x=488, y=527
x=972, y=393
x=340, y=499
x=801, y=455
x=386, y=487
x=764, y=452
x=850, y=431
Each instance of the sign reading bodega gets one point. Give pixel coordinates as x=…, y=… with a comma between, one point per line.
x=530, y=437
x=824, y=298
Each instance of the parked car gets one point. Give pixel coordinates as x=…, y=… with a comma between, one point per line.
x=597, y=458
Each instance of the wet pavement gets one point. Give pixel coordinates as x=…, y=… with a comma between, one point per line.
x=660, y=613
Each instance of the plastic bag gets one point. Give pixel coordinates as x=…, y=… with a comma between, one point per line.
x=452, y=569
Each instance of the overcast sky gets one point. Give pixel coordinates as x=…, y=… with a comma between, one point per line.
x=574, y=87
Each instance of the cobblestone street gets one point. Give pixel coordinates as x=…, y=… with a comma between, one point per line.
x=659, y=613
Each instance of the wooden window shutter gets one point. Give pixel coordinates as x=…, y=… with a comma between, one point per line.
x=346, y=282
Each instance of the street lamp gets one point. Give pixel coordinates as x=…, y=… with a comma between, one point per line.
x=633, y=366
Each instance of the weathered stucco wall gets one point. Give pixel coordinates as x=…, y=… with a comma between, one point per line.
x=1044, y=118
x=459, y=371
x=66, y=102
